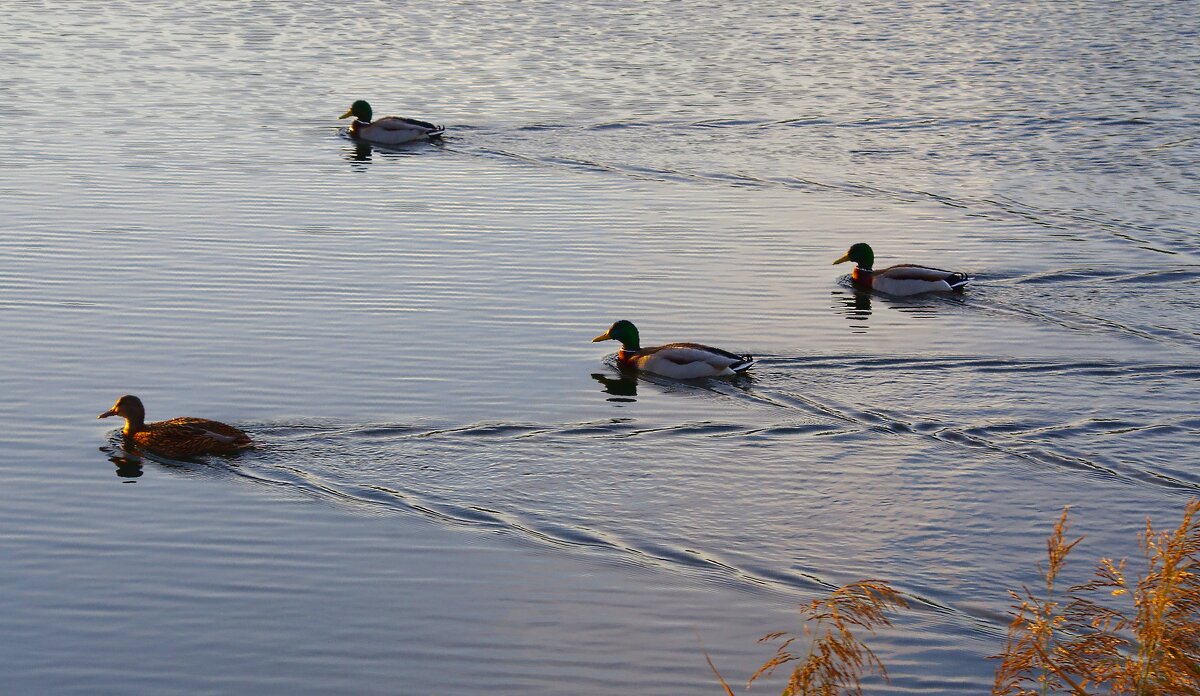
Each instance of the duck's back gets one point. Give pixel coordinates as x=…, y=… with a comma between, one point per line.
x=690, y=352
x=191, y=437
x=911, y=279
x=688, y=360
x=911, y=271
x=400, y=122
x=394, y=130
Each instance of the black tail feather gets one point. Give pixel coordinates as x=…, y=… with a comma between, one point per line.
x=958, y=280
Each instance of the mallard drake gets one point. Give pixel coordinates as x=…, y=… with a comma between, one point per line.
x=904, y=279
x=178, y=438
x=389, y=130
x=676, y=360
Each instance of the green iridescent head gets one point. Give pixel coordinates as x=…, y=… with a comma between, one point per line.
x=861, y=254
x=623, y=331
x=360, y=110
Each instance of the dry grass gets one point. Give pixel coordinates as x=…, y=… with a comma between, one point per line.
x=835, y=660
x=1108, y=635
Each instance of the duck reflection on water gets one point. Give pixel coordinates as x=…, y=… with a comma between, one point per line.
x=128, y=466
x=361, y=152
x=623, y=388
x=856, y=306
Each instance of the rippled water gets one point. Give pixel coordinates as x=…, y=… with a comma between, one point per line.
x=456, y=490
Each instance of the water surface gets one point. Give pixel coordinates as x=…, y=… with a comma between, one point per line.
x=456, y=490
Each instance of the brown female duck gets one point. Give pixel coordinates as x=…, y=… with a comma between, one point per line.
x=178, y=438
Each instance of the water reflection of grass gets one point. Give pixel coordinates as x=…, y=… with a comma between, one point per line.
x=1106, y=636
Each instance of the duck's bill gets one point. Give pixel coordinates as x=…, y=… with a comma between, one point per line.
x=844, y=259
x=106, y=414
x=602, y=337
x=348, y=114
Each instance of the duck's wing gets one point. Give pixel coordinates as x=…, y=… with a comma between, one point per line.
x=392, y=123
x=909, y=271
x=910, y=279
x=190, y=437
x=709, y=353
x=686, y=360
x=212, y=427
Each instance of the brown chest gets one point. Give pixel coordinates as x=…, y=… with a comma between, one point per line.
x=861, y=279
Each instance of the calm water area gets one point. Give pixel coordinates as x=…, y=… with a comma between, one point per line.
x=456, y=491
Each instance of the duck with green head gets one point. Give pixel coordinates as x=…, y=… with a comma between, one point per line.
x=178, y=438
x=677, y=360
x=901, y=280
x=389, y=130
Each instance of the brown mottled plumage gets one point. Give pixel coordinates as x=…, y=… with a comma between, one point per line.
x=178, y=438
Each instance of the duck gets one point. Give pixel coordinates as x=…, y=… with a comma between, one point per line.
x=675, y=360
x=389, y=130
x=178, y=438
x=901, y=280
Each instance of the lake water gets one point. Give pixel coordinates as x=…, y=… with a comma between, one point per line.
x=456, y=491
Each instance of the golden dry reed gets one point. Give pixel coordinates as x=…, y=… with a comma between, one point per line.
x=1106, y=636
x=835, y=659
x=1110, y=636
